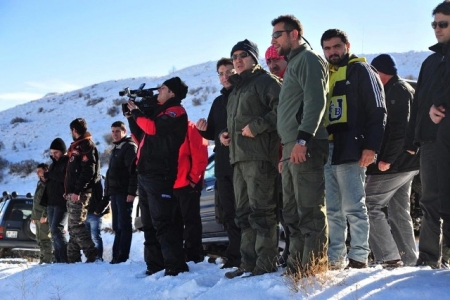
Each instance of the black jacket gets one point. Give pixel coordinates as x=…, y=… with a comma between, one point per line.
x=160, y=134
x=217, y=121
x=55, y=182
x=420, y=128
x=121, y=177
x=366, y=114
x=83, y=168
x=399, y=97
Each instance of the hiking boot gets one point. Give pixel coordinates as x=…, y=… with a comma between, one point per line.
x=392, y=263
x=421, y=262
x=258, y=271
x=236, y=273
x=174, y=272
x=354, y=264
x=212, y=260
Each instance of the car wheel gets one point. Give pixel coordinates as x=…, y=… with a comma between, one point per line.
x=5, y=252
x=29, y=228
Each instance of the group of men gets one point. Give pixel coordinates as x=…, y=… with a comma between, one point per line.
x=337, y=125
x=346, y=127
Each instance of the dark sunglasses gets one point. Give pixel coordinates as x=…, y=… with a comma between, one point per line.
x=278, y=33
x=240, y=55
x=440, y=24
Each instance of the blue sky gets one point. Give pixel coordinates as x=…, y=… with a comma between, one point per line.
x=57, y=46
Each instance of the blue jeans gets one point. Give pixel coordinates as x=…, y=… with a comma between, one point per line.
x=122, y=226
x=57, y=220
x=346, y=202
x=391, y=237
x=94, y=224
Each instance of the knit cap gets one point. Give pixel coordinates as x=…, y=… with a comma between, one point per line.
x=385, y=63
x=247, y=46
x=177, y=86
x=58, y=144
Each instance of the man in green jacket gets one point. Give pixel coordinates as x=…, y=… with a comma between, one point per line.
x=305, y=146
x=253, y=141
x=39, y=218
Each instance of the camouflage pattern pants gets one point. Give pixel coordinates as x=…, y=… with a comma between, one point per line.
x=44, y=241
x=79, y=234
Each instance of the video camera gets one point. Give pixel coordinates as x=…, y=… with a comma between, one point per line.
x=146, y=105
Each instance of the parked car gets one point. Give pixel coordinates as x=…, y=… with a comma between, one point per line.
x=213, y=231
x=17, y=232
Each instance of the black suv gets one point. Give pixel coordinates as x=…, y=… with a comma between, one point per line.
x=17, y=232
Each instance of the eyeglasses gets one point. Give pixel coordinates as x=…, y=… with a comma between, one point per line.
x=228, y=73
x=278, y=33
x=240, y=55
x=440, y=24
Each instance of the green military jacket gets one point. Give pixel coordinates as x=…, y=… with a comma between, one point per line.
x=253, y=102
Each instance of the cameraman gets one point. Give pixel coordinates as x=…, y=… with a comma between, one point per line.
x=160, y=132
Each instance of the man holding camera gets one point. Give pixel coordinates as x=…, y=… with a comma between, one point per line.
x=160, y=132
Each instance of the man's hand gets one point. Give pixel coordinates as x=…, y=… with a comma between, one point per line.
x=131, y=105
x=130, y=198
x=43, y=220
x=299, y=154
x=280, y=167
x=383, y=166
x=247, y=132
x=74, y=197
x=225, y=139
x=202, y=125
x=437, y=114
x=367, y=158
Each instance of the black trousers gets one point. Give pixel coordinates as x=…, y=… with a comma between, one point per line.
x=189, y=222
x=443, y=175
x=163, y=248
x=228, y=206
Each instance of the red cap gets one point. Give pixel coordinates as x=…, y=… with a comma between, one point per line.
x=272, y=53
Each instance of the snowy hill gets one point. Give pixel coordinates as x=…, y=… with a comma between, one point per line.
x=28, y=129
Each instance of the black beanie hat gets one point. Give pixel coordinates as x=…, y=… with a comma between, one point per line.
x=177, y=86
x=247, y=46
x=58, y=144
x=385, y=63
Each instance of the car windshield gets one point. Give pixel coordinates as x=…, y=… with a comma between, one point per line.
x=20, y=210
x=209, y=172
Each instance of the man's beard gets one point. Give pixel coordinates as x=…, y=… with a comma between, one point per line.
x=336, y=59
x=284, y=51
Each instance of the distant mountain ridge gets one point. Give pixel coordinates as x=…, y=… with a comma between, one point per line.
x=28, y=129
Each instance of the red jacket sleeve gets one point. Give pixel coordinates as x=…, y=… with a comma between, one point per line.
x=193, y=158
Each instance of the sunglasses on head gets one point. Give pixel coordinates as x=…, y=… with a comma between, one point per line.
x=440, y=24
x=240, y=55
x=278, y=33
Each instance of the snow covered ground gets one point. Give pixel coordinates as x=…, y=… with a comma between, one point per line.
x=207, y=281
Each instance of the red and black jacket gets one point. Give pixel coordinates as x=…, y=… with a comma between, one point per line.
x=159, y=135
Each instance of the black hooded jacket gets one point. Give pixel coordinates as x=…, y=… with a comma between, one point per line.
x=121, y=177
x=217, y=121
x=430, y=85
x=399, y=96
x=55, y=181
